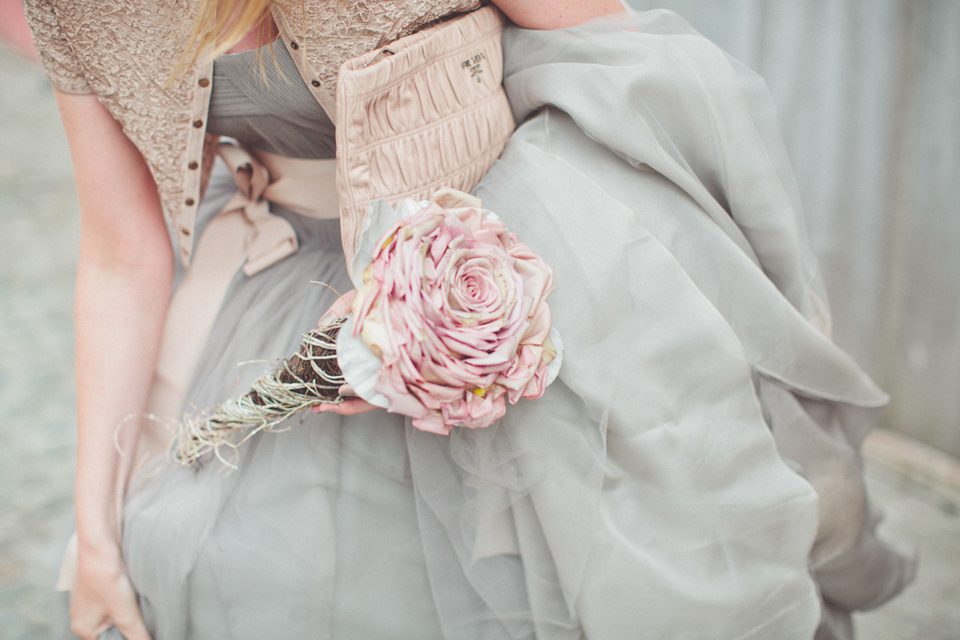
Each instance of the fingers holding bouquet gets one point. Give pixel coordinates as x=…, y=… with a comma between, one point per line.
x=339, y=309
x=348, y=403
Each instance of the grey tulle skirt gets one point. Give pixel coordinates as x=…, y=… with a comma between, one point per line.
x=694, y=471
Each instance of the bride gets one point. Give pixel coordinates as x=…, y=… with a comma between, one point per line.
x=694, y=471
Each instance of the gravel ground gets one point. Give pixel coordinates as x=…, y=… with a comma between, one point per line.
x=37, y=253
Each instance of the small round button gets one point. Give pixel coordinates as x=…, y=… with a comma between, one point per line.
x=294, y=46
x=197, y=123
x=188, y=202
x=204, y=82
x=315, y=83
x=192, y=165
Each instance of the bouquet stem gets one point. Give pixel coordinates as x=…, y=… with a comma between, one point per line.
x=310, y=377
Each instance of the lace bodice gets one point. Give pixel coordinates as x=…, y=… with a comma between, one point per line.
x=125, y=51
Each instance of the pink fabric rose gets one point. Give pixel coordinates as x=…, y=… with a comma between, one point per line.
x=455, y=308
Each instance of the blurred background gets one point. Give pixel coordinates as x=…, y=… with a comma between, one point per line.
x=868, y=93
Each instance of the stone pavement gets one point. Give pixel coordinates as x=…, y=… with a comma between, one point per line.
x=38, y=242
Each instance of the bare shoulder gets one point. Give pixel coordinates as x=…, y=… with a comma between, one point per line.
x=555, y=14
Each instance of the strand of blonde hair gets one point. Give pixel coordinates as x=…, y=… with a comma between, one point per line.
x=220, y=24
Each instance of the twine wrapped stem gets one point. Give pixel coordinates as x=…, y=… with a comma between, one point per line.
x=310, y=377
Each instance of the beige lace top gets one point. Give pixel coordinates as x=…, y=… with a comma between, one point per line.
x=124, y=51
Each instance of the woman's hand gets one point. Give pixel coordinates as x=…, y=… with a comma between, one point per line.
x=350, y=407
x=103, y=596
x=353, y=406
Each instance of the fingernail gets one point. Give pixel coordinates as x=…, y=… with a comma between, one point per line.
x=326, y=319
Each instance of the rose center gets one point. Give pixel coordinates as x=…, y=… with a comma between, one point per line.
x=474, y=287
x=476, y=290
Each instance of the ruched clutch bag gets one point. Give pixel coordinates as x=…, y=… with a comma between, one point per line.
x=424, y=112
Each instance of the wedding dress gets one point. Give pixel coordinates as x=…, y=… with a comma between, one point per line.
x=694, y=471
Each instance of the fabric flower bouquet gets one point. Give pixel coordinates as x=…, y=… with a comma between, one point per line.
x=449, y=322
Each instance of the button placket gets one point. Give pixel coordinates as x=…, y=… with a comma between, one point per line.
x=296, y=44
x=186, y=217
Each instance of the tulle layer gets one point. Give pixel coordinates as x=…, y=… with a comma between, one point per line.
x=644, y=495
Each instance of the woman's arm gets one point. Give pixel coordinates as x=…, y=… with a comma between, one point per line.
x=124, y=279
x=556, y=14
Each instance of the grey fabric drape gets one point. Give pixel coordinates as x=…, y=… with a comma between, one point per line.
x=869, y=98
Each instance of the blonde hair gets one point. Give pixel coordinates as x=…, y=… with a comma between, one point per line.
x=220, y=24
